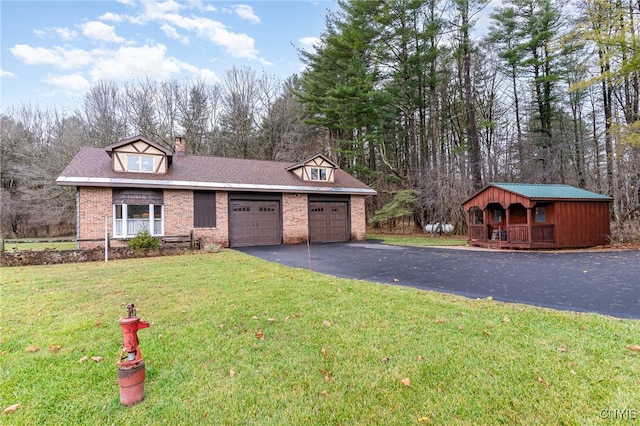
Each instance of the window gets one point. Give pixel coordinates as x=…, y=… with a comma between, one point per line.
x=129, y=219
x=318, y=173
x=497, y=216
x=204, y=209
x=540, y=214
x=139, y=163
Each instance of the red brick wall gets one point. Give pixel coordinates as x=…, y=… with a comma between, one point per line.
x=295, y=218
x=178, y=212
x=219, y=234
x=94, y=204
x=358, y=218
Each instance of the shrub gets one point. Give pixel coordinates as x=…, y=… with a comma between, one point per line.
x=212, y=248
x=143, y=241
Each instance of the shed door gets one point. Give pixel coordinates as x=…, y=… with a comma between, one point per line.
x=328, y=221
x=254, y=223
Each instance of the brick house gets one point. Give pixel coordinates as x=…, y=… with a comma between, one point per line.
x=136, y=183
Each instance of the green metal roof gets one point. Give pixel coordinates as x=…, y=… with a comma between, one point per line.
x=550, y=191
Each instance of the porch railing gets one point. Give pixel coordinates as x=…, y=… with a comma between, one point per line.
x=516, y=233
x=539, y=234
x=478, y=232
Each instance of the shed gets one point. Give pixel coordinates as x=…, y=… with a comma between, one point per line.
x=537, y=216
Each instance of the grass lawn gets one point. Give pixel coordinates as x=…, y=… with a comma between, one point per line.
x=36, y=245
x=237, y=340
x=419, y=240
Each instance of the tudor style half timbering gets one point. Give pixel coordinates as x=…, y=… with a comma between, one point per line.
x=137, y=184
x=139, y=155
x=315, y=169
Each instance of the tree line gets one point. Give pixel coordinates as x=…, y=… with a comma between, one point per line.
x=403, y=94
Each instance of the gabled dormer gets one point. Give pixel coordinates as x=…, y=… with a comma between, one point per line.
x=139, y=155
x=315, y=169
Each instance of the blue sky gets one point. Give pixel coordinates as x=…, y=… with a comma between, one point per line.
x=52, y=52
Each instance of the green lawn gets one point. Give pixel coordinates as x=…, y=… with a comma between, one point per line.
x=237, y=340
x=36, y=245
x=419, y=240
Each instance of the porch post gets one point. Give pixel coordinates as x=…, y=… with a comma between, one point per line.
x=507, y=222
x=485, y=221
x=529, y=225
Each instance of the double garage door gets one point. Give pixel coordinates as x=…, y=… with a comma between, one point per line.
x=258, y=221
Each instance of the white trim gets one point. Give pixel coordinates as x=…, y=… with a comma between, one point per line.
x=177, y=184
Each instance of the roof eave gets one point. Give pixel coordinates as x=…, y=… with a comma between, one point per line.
x=171, y=184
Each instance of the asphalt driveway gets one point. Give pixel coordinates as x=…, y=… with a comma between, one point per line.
x=606, y=282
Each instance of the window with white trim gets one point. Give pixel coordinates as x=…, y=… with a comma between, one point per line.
x=140, y=163
x=318, y=173
x=129, y=219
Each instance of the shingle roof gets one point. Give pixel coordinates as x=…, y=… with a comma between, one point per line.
x=550, y=191
x=93, y=167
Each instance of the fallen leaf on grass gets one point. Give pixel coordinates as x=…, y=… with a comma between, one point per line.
x=324, y=352
x=232, y=373
x=259, y=335
x=506, y=319
x=486, y=333
x=32, y=349
x=96, y=358
x=327, y=323
x=83, y=359
x=460, y=328
x=385, y=359
x=11, y=408
x=406, y=382
x=420, y=358
x=54, y=348
x=562, y=349
x=634, y=348
x=324, y=393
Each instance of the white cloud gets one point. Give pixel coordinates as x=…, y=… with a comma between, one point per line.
x=66, y=34
x=171, y=32
x=57, y=56
x=166, y=14
x=246, y=12
x=111, y=17
x=70, y=83
x=63, y=33
x=208, y=76
x=100, y=31
x=136, y=62
x=309, y=43
x=7, y=74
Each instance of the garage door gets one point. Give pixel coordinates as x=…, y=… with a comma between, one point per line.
x=254, y=223
x=328, y=221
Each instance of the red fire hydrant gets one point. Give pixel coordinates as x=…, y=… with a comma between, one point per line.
x=131, y=372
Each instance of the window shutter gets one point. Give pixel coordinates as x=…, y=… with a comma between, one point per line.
x=204, y=209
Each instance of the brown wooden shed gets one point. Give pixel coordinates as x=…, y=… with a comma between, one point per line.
x=531, y=216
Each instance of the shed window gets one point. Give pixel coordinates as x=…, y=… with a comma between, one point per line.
x=540, y=214
x=204, y=209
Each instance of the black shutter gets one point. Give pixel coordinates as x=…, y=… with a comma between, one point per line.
x=204, y=209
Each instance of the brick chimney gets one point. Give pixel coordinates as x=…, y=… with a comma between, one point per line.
x=181, y=146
